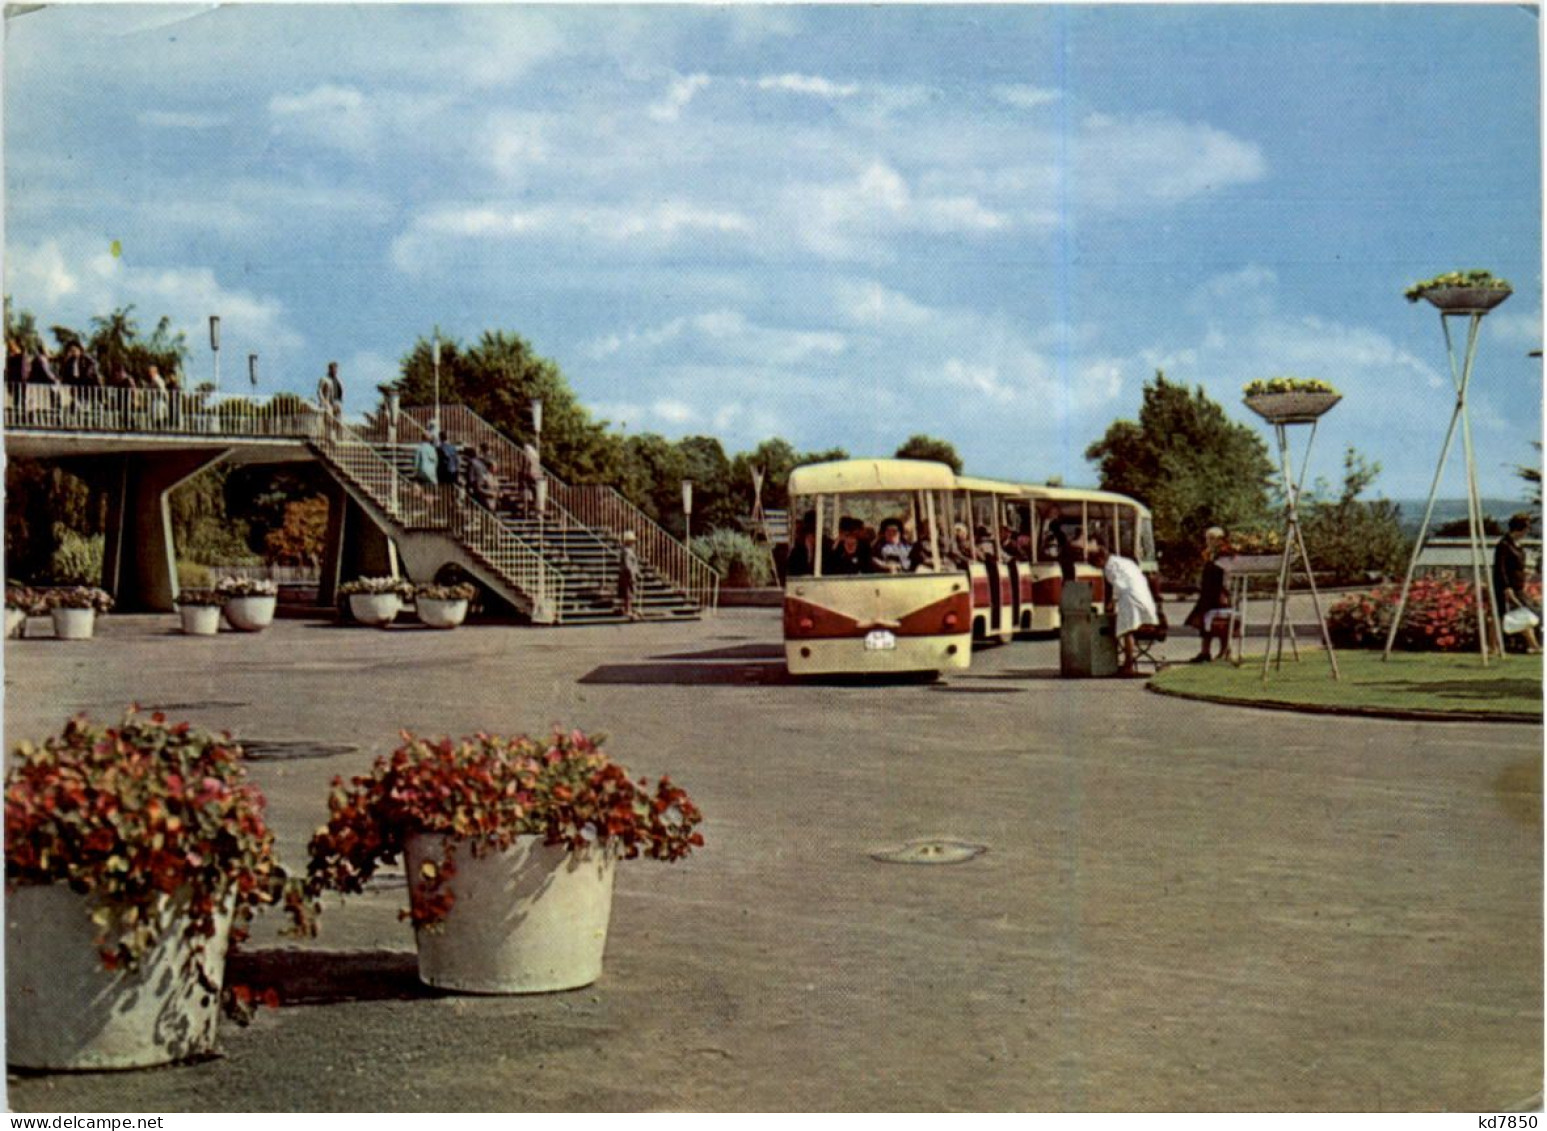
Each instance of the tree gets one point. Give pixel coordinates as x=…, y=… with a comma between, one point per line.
x=21, y=327
x=499, y=378
x=650, y=474
x=1532, y=477
x=921, y=446
x=112, y=336
x=299, y=540
x=1353, y=541
x=1191, y=464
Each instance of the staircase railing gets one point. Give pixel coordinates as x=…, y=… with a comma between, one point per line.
x=596, y=506
x=76, y=408
x=414, y=506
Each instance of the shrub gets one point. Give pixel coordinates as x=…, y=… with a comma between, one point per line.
x=77, y=560
x=736, y=557
x=376, y=587
x=194, y=575
x=247, y=587
x=464, y=591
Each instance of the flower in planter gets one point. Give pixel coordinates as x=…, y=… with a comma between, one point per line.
x=489, y=790
x=1456, y=280
x=1287, y=385
x=136, y=814
x=201, y=598
x=431, y=592
x=229, y=587
x=78, y=597
x=376, y=587
x=26, y=599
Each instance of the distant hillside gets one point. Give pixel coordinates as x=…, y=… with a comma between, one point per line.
x=1452, y=510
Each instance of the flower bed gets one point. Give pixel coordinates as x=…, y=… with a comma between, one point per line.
x=1441, y=616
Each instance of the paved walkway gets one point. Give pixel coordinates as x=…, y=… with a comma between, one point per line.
x=1182, y=906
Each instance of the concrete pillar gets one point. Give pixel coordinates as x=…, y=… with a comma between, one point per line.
x=139, y=561
x=354, y=546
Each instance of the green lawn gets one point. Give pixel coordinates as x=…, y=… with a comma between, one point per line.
x=1410, y=681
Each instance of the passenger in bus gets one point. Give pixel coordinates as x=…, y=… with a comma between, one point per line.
x=802, y=559
x=1130, y=596
x=987, y=547
x=893, y=553
x=960, y=552
x=850, y=554
x=1020, y=547
x=1057, y=543
x=922, y=557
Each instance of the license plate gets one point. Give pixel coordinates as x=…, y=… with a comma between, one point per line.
x=880, y=640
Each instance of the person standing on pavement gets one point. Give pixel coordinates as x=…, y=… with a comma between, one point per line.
x=1213, y=599
x=1509, y=577
x=628, y=576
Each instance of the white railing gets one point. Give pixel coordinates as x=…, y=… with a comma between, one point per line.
x=87, y=409
x=415, y=506
x=597, y=507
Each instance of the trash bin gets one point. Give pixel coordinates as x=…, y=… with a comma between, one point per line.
x=1086, y=643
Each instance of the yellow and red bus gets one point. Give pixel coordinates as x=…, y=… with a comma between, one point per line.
x=852, y=609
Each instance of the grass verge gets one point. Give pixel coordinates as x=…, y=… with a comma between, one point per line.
x=1410, y=683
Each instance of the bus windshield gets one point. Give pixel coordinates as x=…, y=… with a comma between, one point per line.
x=864, y=532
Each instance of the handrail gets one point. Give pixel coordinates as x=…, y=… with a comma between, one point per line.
x=595, y=506
x=76, y=408
x=417, y=507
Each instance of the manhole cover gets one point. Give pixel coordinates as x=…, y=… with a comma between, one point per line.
x=287, y=750
x=930, y=852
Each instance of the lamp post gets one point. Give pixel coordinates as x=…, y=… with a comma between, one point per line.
x=252, y=370
x=435, y=362
x=214, y=345
x=542, y=549
x=687, y=510
x=540, y=481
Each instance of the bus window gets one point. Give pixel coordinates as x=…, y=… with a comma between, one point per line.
x=1126, y=545
x=1098, y=527
x=1146, y=539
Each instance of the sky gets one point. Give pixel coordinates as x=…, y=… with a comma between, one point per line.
x=840, y=225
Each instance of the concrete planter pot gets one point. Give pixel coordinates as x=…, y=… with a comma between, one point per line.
x=250, y=614
x=375, y=609
x=438, y=613
x=73, y=624
x=1466, y=300
x=65, y=1012
x=200, y=620
x=15, y=622
x=530, y=919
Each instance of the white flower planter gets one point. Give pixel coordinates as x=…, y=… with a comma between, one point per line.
x=527, y=920
x=64, y=1011
x=375, y=609
x=200, y=620
x=15, y=622
x=250, y=614
x=439, y=613
x=73, y=624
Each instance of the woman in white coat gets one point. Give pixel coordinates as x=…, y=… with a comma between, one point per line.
x=1128, y=592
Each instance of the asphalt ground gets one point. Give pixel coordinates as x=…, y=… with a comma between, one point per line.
x=1181, y=906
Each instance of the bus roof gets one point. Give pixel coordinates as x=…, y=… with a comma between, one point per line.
x=1045, y=491
x=846, y=475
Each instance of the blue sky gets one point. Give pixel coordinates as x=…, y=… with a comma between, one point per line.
x=840, y=225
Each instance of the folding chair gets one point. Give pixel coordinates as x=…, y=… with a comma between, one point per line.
x=1148, y=638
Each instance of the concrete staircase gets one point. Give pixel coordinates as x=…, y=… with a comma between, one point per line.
x=583, y=560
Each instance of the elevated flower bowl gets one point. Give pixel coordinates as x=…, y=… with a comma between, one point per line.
x=1467, y=300
x=1292, y=407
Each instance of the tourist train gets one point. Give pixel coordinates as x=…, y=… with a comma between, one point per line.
x=899, y=566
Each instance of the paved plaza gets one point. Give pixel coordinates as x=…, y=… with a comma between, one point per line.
x=1182, y=906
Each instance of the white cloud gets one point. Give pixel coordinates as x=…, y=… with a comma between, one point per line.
x=808, y=84
x=682, y=90
x=67, y=282
x=180, y=119
x=660, y=225
x=1158, y=159
x=346, y=119
x=725, y=334
x=1025, y=97
x=850, y=218
x=674, y=412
